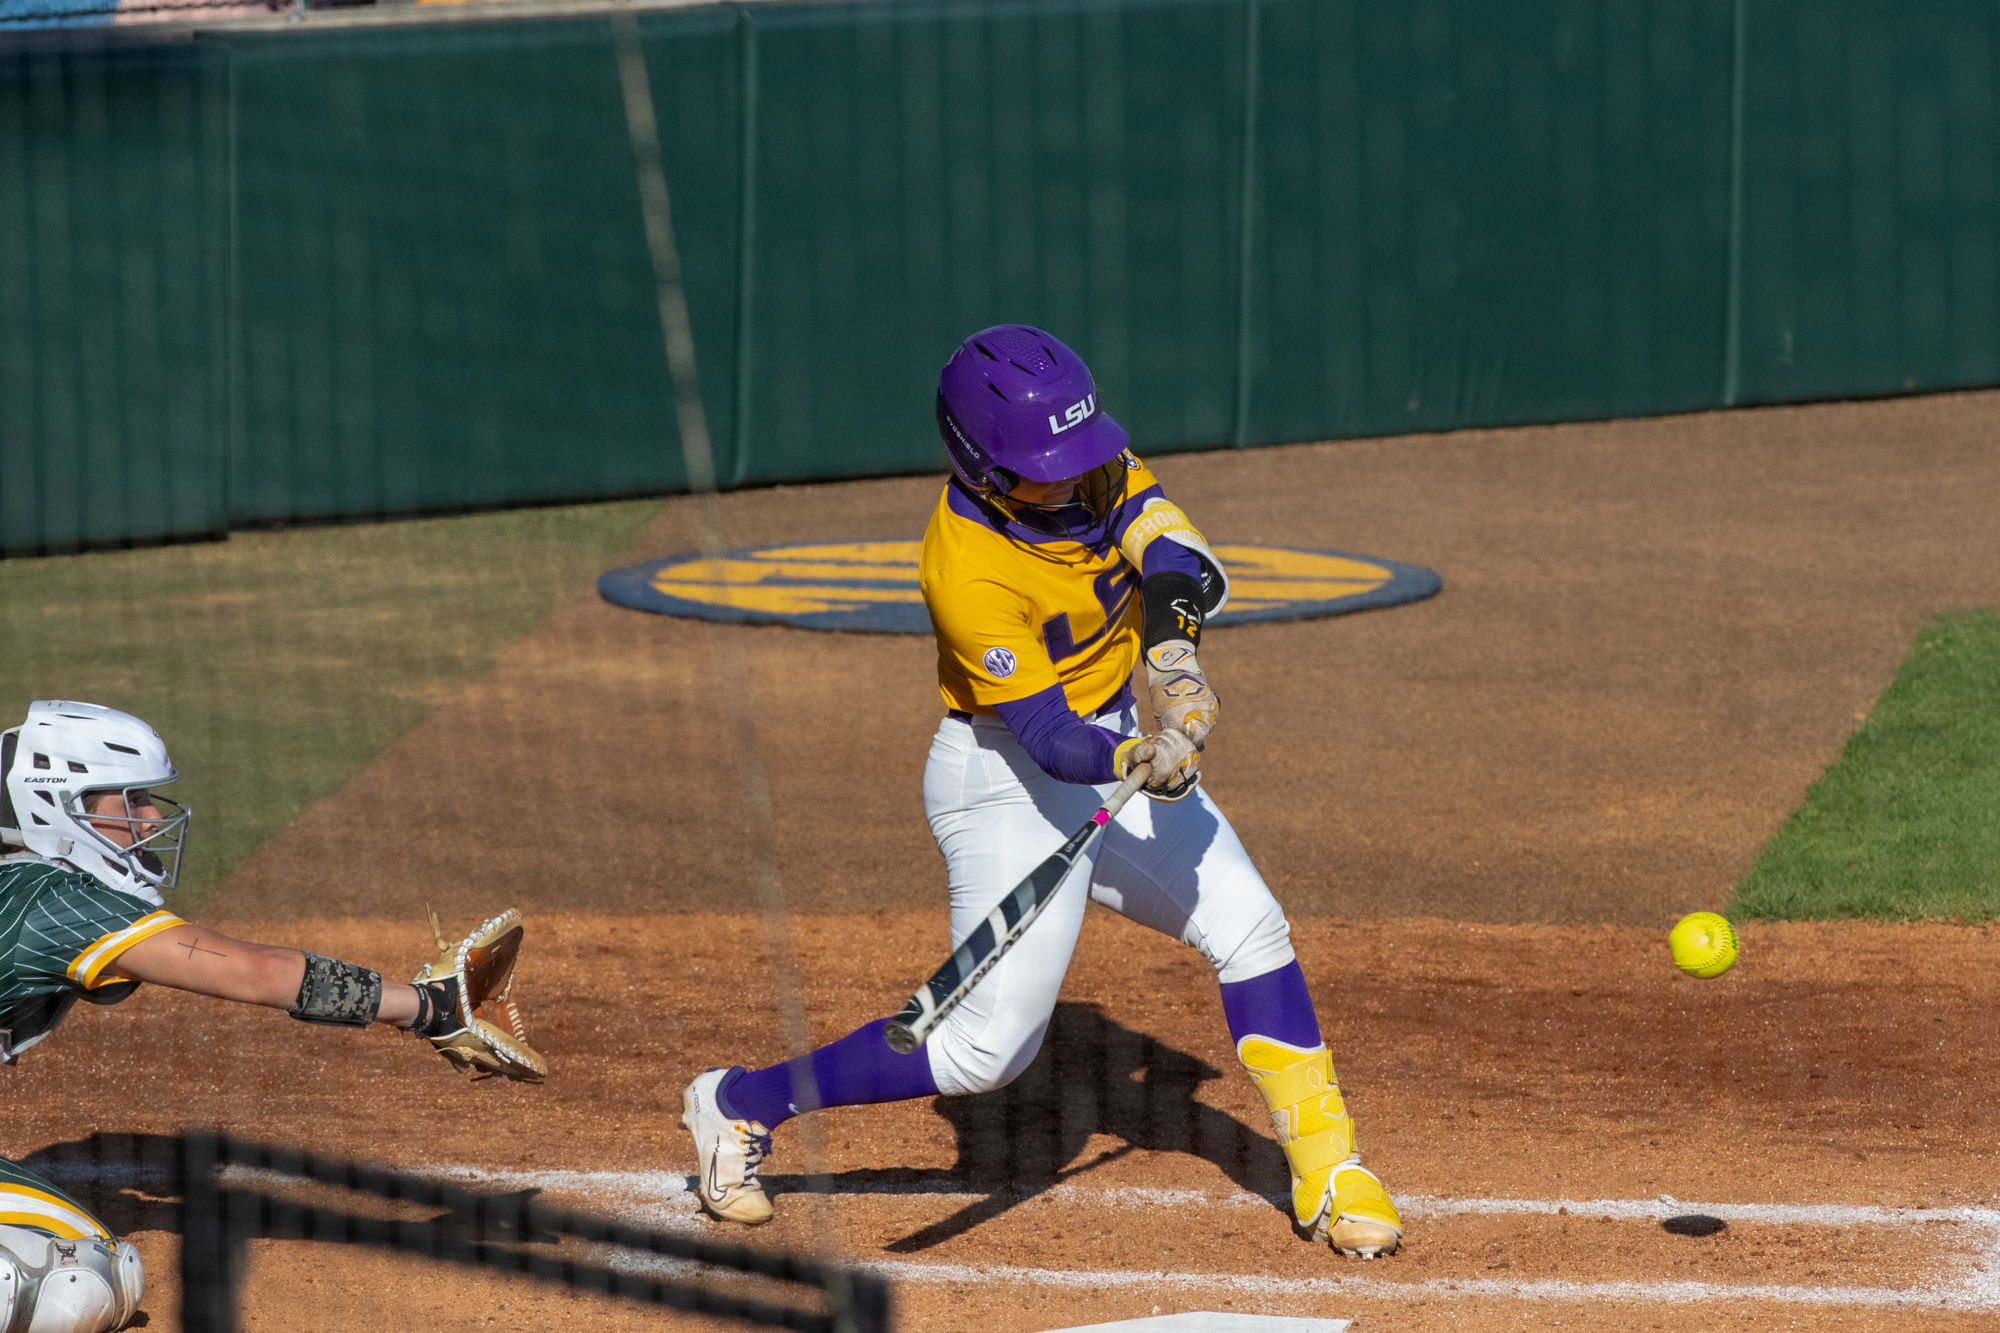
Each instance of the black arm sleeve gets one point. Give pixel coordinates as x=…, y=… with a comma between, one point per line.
x=1172, y=602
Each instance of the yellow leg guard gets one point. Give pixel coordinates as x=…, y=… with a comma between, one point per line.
x=1332, y=1195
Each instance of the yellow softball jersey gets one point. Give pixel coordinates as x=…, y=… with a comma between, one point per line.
x=1016, y=611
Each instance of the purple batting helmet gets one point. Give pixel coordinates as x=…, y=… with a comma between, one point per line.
x=1013, y=402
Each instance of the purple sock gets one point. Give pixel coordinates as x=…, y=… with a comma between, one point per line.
x=857, y=1070
x=1275, y=1005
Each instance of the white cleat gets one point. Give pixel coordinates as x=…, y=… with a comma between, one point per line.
x=729, y=1152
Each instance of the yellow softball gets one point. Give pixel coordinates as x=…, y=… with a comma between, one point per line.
x=1704, y=944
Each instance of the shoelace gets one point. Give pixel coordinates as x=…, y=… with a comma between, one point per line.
x=756, y=1147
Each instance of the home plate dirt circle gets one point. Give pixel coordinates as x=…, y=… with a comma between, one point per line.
x=870, y=587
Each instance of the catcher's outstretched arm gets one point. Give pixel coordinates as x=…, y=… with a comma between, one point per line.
x=460, y=1002
x=202, y=961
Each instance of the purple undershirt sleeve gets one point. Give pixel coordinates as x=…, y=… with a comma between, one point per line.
x=1068, y=748
x=1163, y=555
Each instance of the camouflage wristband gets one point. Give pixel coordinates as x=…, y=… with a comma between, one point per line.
x=337, y=994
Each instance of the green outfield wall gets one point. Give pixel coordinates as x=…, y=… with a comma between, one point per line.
x=114, y=258
x=337, y=270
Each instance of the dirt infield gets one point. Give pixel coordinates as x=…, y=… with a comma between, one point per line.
x=1482, y=811
x=1839, y=1072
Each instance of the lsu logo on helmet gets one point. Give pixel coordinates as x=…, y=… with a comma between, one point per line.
x=1074, y=415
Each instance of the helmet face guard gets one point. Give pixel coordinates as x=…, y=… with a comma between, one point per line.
x=1085, y=516
x=55, y=765
x=151, y=851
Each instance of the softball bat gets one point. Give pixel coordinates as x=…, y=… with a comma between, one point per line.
x=1003, y=926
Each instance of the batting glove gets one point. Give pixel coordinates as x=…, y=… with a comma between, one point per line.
x=1175, y=760
x=1182, y=699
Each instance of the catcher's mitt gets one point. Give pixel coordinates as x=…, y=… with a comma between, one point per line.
x=464, y=1007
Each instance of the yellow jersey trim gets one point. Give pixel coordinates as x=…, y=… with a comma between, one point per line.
x=88, y=966
x=24, y=1207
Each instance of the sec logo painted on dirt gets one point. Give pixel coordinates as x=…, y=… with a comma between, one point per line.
x=871, y=587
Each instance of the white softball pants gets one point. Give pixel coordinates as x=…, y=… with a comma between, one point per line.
x=1174, y=866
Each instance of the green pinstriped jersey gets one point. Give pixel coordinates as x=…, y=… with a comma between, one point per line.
x=60, y=932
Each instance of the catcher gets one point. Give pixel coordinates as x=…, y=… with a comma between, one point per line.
x=89, y=847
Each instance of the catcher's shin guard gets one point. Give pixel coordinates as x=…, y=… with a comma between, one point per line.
x=1333, y=1196
x=52, y=1285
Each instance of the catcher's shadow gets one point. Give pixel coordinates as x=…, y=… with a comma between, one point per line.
x=1093, y=1076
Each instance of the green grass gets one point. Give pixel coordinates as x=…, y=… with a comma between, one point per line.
x=1906, y=823
x=277, y=665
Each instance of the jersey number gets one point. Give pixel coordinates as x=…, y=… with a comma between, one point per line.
x=1113, y=588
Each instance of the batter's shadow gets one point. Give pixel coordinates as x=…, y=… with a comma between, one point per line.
x=131, y=1183
x=1092, y=1077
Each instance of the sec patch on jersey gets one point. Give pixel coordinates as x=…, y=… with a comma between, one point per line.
x=871, y=587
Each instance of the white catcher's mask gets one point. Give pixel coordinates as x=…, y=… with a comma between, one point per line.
x=67, y=751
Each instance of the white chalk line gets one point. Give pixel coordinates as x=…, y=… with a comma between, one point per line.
x=1777, y=1214
x=663, y=1184
x=1962, y=1297
x=666, y=1199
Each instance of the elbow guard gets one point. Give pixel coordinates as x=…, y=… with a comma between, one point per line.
x=1162, y=520
x=337, y=994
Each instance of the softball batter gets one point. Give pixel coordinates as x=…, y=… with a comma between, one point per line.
x=89, y=850
x=1052, y=564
